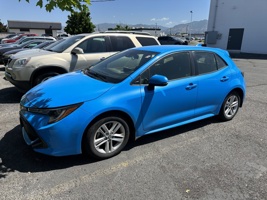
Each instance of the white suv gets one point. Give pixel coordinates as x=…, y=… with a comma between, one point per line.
x=74, y=53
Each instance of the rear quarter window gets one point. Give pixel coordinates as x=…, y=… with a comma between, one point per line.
x=146, y=41
x=220, y=62
x=120, y=43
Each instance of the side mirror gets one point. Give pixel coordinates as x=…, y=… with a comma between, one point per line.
x=77, y=50
x=157, y=80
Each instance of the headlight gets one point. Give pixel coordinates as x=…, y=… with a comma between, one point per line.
x=55, y=114
x=21, y=62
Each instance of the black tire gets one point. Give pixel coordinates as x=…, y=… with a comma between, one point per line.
x=230, y=106
x=43, y=77
x=100, y=137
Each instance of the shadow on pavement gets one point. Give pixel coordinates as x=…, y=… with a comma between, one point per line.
x=10, y=95
x=15, y=155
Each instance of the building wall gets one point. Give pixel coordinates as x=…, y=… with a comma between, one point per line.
x=37, y=31
x=245, y=14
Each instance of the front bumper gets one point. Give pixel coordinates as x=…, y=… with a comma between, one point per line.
x=30, y=136
x=61, y=138
x=22, y=86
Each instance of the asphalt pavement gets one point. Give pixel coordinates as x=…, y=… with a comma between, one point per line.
x=206, y=160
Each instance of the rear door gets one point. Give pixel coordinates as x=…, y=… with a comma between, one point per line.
x=120, y=43
x=213, y=79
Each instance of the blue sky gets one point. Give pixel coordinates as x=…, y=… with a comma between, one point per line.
x=161, y=12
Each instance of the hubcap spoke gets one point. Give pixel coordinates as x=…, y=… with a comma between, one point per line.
x=100, y=141
x=108, y=147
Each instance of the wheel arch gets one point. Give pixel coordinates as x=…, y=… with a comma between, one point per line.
x=117, y=113
x=46, y=69
x=241, y=95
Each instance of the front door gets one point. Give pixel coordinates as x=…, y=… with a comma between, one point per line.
x=172, y=104
x=235, y=39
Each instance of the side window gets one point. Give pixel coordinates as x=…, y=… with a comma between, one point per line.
x=205, y=62
x=120, y=43
x=174, y=66
x=220, y=62
x=93, y=45
x=146, y=41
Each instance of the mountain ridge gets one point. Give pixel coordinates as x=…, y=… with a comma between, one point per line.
x=194, y=27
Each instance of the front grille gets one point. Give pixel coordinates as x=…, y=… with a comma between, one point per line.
x=33, y=136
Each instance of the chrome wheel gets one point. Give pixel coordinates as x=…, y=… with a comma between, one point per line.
x=109, y=137
x=231, y=106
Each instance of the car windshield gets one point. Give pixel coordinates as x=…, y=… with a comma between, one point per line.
x=21, y=39
x=43, y=45
x=119, y=66
x=47, y=48
x=62, y=46
x=23, y=44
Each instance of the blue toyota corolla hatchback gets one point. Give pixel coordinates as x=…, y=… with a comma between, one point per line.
x=133, y=93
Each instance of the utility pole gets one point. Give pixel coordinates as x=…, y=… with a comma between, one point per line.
x=190, y=25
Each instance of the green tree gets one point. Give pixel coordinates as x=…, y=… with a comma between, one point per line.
x=79, y=22
x=68, y=5
x=3, y=28
x=122, y=28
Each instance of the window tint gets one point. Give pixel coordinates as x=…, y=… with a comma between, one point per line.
x=173, y=67
x=205, y=62
x=145, y=41
x=220, y=62
x=120, y=43
x=93, y=45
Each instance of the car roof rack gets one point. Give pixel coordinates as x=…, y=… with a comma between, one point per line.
x=131, y=32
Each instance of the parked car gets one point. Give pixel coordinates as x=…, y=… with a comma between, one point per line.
x=167, y=40
x=32, y=44
x=25, y=39
x=34, y=50
x=130, y=94
x=62, y=35
x=17, y=37
x=26, y=45
x=8, y=36
x=74, y=53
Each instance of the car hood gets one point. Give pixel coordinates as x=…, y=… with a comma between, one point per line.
x=63, y=90
x=31, y=53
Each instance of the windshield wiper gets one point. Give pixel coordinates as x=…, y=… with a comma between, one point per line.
x=94, y=74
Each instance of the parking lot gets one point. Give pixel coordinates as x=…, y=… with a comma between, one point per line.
x=206, y=160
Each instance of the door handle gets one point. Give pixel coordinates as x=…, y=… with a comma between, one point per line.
x=191, y=86
x=103, y=58
x=225, y=78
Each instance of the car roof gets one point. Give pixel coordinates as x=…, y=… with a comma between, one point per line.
x=118, y=33
x=173, y=48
